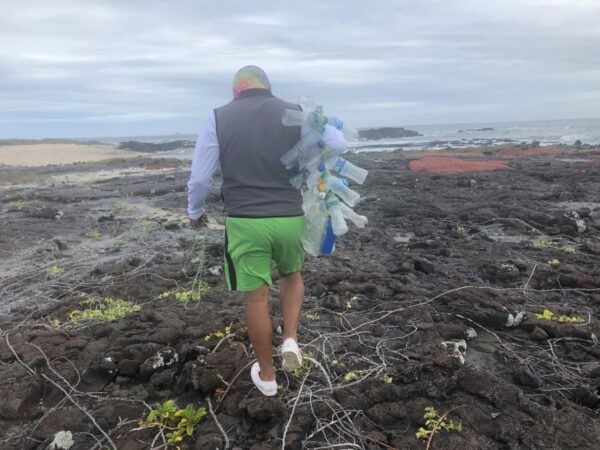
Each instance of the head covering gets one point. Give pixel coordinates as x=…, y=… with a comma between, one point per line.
x=250, y=77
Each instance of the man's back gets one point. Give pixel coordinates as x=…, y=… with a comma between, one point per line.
x=252, y=140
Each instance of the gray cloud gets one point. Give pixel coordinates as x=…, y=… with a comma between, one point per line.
x=71, y=68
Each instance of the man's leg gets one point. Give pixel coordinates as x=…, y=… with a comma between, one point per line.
x=258, y=322
x=291, y=297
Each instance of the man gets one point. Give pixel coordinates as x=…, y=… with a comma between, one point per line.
x=265, y=221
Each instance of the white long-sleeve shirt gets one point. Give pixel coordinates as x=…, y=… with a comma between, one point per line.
x=205, y=161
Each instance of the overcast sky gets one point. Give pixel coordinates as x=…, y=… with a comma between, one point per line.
x=74, y=68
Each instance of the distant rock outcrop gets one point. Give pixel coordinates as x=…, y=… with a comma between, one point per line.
x=148, y=147
x=373, y=134
x=477, y=129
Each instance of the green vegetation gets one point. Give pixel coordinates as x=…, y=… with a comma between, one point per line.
x=461, y=230
x=220, y=334
x=350, y=303
x=542, y=244
x=549, y=315
x=105, y=309
x=388, y=379
x=183, y=296
x=55, y=270
x=435, y=422
x=314, y=316
x=94, y=234
x=177, y=422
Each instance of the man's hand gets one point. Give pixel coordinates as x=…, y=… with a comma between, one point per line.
x=196, y=224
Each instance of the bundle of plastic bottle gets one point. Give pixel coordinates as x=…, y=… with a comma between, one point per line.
x=323, y=177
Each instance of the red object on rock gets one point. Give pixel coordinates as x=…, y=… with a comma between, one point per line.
x=444, y=164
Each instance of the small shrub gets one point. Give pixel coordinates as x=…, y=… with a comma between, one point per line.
x=435, y=422
x=183, y=295
x=549, y=315
x=106, y=309
x=541, y=244
x=178, y=422
x=55, y=270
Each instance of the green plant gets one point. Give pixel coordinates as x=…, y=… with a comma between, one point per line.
x=541, y=244
x=178, y=422
x=388, y=379
x=554, y=262
x=350, y=303
x=182, y=296
x=106, y=309
x=568, y=249
x=461, y=230
x=54, y=270
x=94, y=234
x=226, y=333
x=314, y=316
x=435, y=422
x=549, y=315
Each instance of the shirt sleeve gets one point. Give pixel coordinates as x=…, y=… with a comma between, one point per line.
x=204, y=165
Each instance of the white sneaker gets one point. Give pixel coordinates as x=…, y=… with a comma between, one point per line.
x=291, y=355
x=268, y=388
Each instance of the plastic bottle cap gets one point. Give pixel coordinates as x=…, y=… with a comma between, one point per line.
x=322, y=187
x=322, y=167
x=321, y=143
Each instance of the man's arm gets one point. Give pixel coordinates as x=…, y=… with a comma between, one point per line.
x=204, y=164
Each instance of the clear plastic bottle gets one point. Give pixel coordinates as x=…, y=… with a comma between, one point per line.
x=298, y=180
x=318, y=155
x=346, y=169
x=314, y=119
x=337, y=186
x=335, y=213
x=317, y=120
x=311, y=140
x=315, y=220
x=358, y=220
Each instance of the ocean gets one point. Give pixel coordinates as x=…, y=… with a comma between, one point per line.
x=549, y=132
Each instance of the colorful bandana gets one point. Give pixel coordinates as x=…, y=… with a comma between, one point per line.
x=250, y=77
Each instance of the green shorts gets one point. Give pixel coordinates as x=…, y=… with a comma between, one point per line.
x=252, y=243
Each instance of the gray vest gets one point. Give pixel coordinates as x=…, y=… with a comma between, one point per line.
x=252, y=140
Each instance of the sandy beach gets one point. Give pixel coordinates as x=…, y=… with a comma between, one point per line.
x=36, y=155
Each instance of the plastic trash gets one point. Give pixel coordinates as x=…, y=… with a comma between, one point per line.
x=340, y=188
x=323, y=199
x=356, y=219
x=316, y=120
x=347, y=170
x=318, y=155
x=328, y=239
x=298, y=180
x=302, y=147
x=336, y=215
x=315, y=219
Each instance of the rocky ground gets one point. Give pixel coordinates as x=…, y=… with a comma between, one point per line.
x=433, y=304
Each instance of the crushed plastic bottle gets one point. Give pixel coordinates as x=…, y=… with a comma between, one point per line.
x=336, y=215
x=356, y=219
x=342, y=190
x=302, y=147
x=347, y=170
